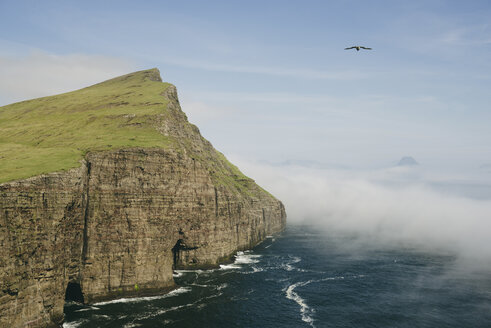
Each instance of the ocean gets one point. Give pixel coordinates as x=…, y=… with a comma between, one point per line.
x=307, y=277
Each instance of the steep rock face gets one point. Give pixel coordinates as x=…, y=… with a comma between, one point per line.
x=120, y=223
x=41, y=228
x=155, y=209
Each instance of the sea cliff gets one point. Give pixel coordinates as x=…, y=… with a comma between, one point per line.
x=114, y=220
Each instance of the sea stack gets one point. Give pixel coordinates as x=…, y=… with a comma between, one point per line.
x=105, y=190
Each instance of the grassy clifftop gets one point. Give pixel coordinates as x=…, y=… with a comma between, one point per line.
x=54, y=133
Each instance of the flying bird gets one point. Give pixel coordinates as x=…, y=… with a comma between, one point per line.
x=358, y=48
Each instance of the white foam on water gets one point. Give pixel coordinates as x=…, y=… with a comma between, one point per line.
x=174, y=308
x=208, y=298
x=88, y=309
x=147, y=298
x=199, y=303
x=305, y=311
x=256, y=270
x=241, y=258
x=180, y=290
x=222, y=286
x=177, y=274
x=229, y=266
x=188, y=271
x=269, y=236
x=73, y=324
x=246, y=258
x=289, y=265
x=199, y=285
x=103, y=316
x=154, y=314
x=132, y=325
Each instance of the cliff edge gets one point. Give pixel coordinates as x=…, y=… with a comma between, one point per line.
x=105, y=190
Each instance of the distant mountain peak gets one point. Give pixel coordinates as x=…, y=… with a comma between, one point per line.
x=407, y=161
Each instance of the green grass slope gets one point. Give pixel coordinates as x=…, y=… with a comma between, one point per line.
x=54, y=133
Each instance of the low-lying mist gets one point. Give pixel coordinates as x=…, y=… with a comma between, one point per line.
x=393, y=207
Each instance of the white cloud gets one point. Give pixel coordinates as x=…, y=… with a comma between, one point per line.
x=42, y=74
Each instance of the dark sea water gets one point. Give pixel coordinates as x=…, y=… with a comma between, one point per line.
x=308, y=278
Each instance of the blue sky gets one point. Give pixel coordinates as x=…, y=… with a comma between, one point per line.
x=269, y=80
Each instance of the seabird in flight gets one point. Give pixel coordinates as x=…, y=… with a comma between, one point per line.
x=358, y=48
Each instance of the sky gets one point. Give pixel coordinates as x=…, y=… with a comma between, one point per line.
x=270, y=80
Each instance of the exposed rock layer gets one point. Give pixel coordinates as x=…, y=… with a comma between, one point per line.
x=118, y=225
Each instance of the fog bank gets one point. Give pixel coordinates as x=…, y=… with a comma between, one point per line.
x=399, y=206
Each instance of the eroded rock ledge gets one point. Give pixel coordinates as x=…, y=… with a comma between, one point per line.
x=116, y=227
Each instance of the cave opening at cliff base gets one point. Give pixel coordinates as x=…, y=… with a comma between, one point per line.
x=178, y=248
x=74, y=293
